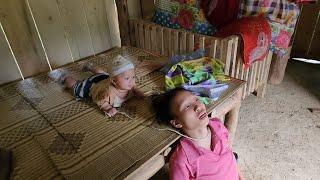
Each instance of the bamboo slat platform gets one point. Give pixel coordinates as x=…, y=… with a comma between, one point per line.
x=52, y=136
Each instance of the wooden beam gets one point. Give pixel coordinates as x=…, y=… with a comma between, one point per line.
x=123, y=17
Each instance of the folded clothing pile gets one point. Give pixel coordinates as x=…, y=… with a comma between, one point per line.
x=203, y=76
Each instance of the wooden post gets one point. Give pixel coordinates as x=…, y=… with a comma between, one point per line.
x=278, y=68
x=123, y=17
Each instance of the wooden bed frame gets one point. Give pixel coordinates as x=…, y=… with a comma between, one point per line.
x=167, y=42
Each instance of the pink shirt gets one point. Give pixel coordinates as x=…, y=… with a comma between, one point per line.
x=190, y=161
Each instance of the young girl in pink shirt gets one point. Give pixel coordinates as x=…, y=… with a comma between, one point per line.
x=204, y=151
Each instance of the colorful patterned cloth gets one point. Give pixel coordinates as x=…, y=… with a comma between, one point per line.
x=203, y=76
x=256, y=34
x=185, y=14
x=282, y=16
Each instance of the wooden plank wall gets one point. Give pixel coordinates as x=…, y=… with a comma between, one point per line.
x=46, y=34
x=307, y=35
x=11, y=72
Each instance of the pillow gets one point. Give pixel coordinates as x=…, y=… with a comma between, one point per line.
x=182, y=14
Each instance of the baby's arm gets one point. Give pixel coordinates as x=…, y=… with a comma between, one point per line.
x=139, y=93
x=108, y=109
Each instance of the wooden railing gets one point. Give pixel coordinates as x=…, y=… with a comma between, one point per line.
x=167, y=42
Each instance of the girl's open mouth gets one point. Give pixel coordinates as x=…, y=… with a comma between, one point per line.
x=203, y=115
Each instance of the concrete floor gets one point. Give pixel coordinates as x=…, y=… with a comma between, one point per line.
x=278, y=137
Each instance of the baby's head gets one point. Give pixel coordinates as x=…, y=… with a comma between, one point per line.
x=180, y=108
x=122, y=73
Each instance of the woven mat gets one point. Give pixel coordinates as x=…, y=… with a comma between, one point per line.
x=54, y=136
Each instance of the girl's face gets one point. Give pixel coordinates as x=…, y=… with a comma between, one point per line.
x=189, y=112
x=125, y=80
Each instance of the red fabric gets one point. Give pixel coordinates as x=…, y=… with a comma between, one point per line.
x=220, y=12
x=256, y=35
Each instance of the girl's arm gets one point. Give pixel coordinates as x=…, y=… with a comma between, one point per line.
x=178, y=171
x=239, y=173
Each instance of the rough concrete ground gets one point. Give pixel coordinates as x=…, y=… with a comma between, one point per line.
x=278, y=137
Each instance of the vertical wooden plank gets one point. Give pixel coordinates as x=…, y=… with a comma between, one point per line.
x=264, y=76
x=52, y=32
x=242, y=68
x=183, y=41
x=305, y=29
x=160, y=46
x=234, y=56
x=136, y=33
x=123, y=19
x=167, y=41
x=215, y=47
x=196, y=42
x=254, y=65
x=239, y=65
x=23, y=39
x=190, y=42
x=99, y=29
x=141, y=35
x=8, y=68
x=255, y=76
x=263, y=69
x=226, y=50
x=175, y=42
x=268, y=63
x=75, y=25
x=207, y=45
x=113, y=23
x=202, y=40
x=238, y=68
x=246, y=78
x=253, y=80
x=147, y=42
x=314, y=48
x=154, y=38
x=258, y=74
x=250, y=79
x=132, y=33
x=211, y=50
x=223, y=50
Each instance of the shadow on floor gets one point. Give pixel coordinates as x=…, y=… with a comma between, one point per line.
x=305, y=74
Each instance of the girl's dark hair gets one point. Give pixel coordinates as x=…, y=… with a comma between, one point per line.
x=162, y=104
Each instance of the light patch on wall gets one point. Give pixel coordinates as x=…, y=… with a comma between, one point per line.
x=311, y=61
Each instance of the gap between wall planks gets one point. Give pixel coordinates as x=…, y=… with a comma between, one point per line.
x=68, y=32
